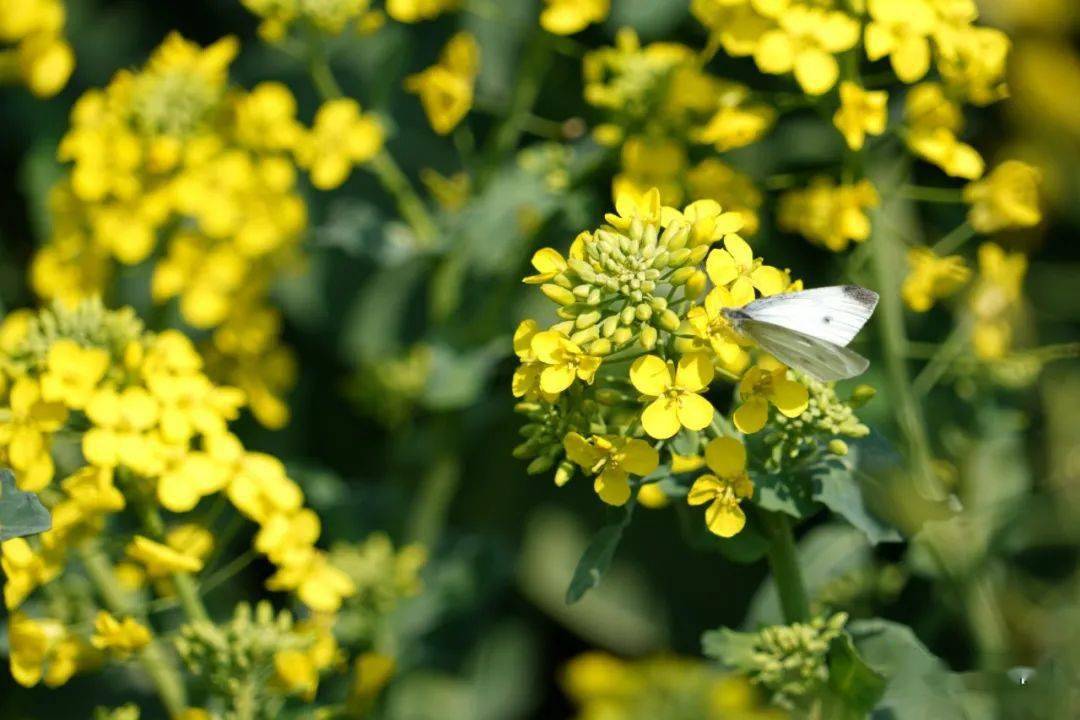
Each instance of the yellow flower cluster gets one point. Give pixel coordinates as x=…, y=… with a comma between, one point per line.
x=566, y=17
x=995, y=301
x=639, y=341
x=446, y=88
x=331, y=18
x=33, y=50
x=659, y=103
x=172, y=164
x=804, y=37
x=603, y=686
x=143, y=428
x=827, y=214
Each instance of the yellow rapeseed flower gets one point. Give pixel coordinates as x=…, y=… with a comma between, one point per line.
x=805, y=42
x=120, y=637
x=25, y=434
x=612, y=459
x=411, y=11
x=995, y=299
x=340, y=138
x=827, y=214
x=724, y=488
x=161, y=560
x=861, y=113
x=764, y=384
x=1005, y=199
x=931, y=278
x=566, y=17
x=43, y=650
x=901, y=30
x=675, y=400
x=564, y=362
x=446, y=88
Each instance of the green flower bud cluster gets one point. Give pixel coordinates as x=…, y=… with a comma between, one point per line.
x=547, y=425
x=551, y=161
x=825, y=421
x=235, y=659
x=623, y=287
x=790, y=660
x=89, y=323
x=383, y=576
x=390, y=388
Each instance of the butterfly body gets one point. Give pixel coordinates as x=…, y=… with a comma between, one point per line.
x=810, y=330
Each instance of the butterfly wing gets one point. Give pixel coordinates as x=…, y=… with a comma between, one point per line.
x=833, y=314
x=819, y=358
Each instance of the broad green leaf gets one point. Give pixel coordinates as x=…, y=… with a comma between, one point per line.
x=855, y=686
x=920, y=686
x=594, y=562
x=733, y=649
x=457, y=379
x=836, y=487
x=21, y=513
x=789, y=495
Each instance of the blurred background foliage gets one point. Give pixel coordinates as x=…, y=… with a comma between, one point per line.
x=402, y=420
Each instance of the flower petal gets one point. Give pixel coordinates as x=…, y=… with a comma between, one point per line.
x=650, y=375
x=726, y=457
x=740, y=251
x=556, y=378
x=751, y=415
x=725, y=518
x=639, y=457
x=790, y=397
x=580, y=451
x=695, y=372
x=612, y=487
x=694, y=411
x=720, y=267
x=704, y=489
x=660, y=419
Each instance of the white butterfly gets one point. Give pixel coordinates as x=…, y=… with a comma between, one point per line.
x=809, y=330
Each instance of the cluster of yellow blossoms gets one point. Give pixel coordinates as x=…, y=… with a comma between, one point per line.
x=172, y=165
x=132, y=425
x=603, y=686
x=34, y=51
x=640, y=339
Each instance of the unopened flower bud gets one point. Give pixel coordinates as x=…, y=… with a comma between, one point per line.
x=557, y=294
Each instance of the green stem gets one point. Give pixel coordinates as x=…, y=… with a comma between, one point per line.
x=409, y=204
x=954, y=240
x=383, y=165
x=784, y=562
x=932, y=194
x=530, y=77
x=433, y=501
x=155, y=662
x=887, y=257
x=941, y=360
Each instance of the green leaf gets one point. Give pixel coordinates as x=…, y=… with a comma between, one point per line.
x=920, y=685
x=597, y=557
x=856, y=687
x=835, y=486
x=733, y=649
x=779, y=493
x=21, y=513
